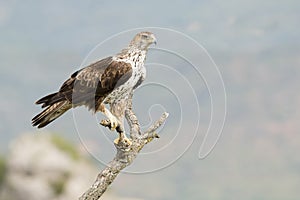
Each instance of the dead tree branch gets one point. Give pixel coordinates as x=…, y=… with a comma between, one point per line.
x=125, y=155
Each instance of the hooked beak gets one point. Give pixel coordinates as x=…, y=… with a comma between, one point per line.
x=154, y=40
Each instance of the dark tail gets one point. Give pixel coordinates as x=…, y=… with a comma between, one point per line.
x=54, y=106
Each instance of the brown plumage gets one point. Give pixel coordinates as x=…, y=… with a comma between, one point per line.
x=88, y=86
x=106, y=81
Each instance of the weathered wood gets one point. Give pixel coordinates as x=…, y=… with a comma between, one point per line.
x=125, y=154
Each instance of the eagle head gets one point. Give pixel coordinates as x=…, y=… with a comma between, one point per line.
x=143, y=40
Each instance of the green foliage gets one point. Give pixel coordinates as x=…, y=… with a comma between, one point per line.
x=2, y=170
x=65, y=146
x=58, y=186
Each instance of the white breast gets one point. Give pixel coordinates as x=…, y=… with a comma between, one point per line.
x=138, y=71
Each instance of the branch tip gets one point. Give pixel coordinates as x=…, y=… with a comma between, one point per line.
x=166, y=114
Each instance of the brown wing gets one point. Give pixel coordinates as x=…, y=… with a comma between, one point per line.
x=90, y=85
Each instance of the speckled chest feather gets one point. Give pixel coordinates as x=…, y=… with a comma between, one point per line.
x=136, y=60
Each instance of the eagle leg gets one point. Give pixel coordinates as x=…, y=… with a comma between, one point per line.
x=122, y=136
x=114, y=122
x=123, y=139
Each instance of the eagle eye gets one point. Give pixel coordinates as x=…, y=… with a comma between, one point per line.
x=144, y=36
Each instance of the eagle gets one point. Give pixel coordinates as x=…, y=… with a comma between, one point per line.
x=108, y=81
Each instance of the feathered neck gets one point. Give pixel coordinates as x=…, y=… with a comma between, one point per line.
x=132, y=49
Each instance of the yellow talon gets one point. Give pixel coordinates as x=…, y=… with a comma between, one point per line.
x=122, y=138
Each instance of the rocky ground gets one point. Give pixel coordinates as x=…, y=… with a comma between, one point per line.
x=46, y=167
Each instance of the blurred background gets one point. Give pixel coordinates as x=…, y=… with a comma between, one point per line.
x=255, y=45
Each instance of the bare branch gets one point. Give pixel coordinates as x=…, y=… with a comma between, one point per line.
x=151, y=130
x=125, y=155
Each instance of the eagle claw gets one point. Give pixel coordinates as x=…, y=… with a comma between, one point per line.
x=112, y=126
x=124, y=140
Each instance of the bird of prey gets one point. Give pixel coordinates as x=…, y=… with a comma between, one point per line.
x=107, y=81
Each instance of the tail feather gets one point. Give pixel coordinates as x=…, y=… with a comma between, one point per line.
x=46, y=98
x=51, y=113
x=50, y=99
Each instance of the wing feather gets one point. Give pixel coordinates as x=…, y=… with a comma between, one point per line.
x=90, y=85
